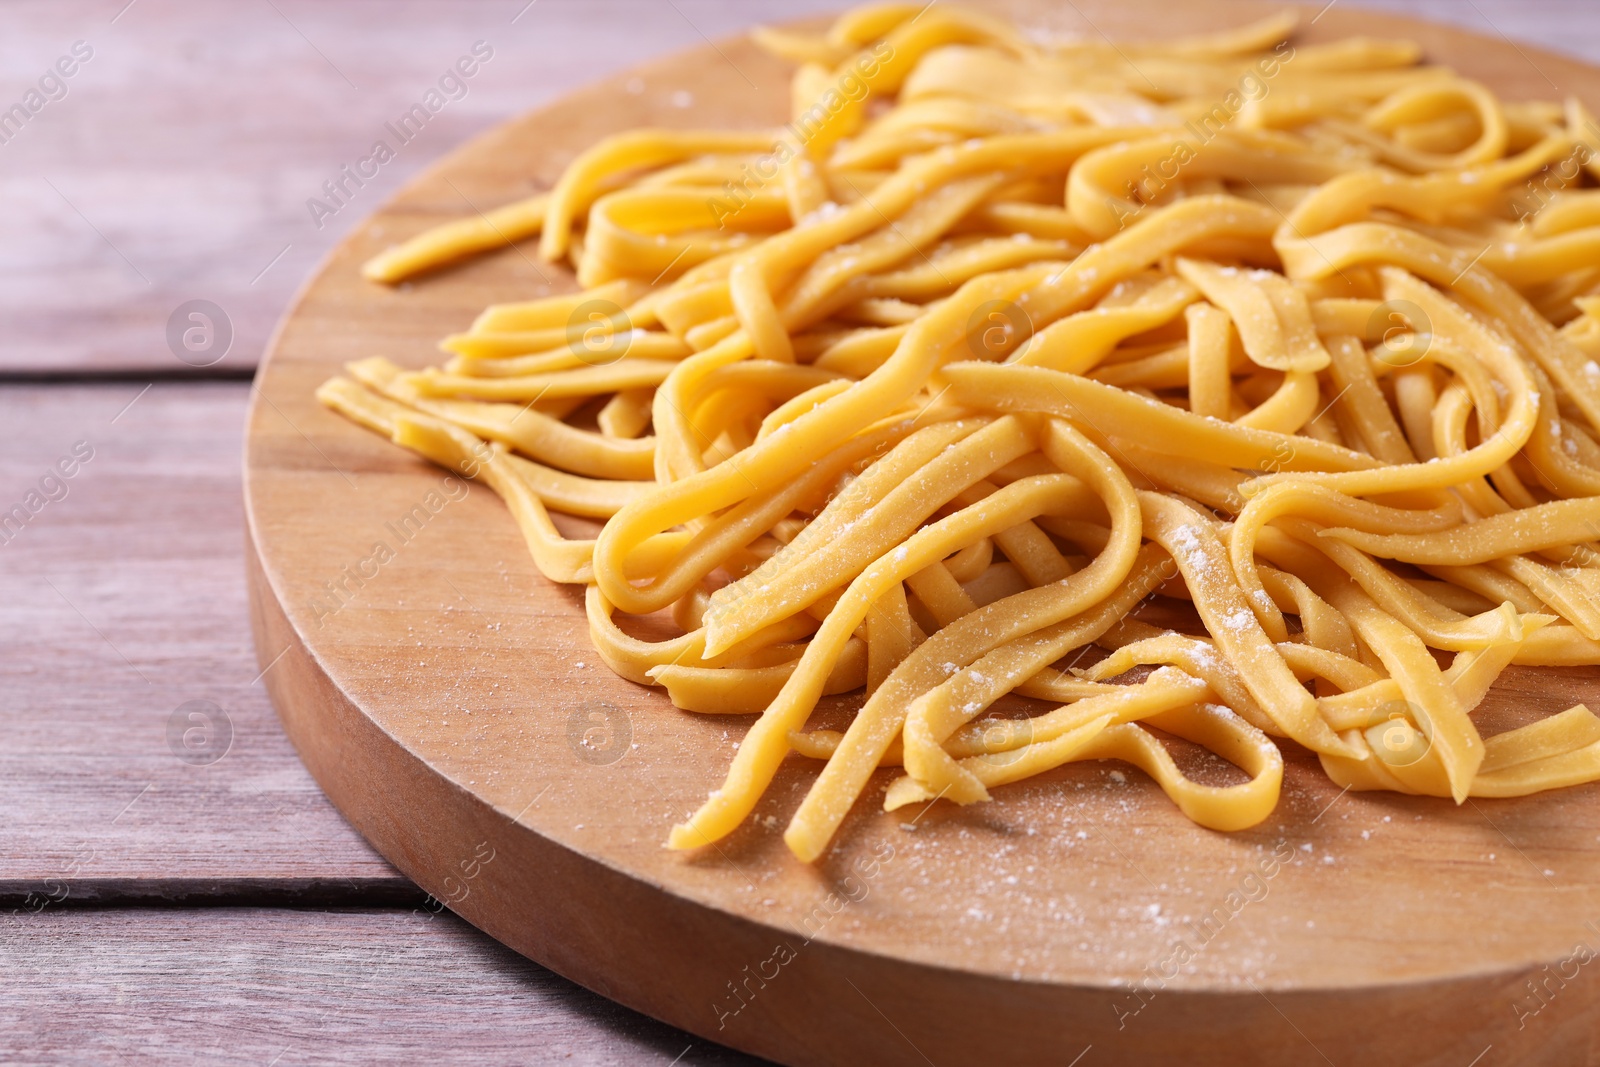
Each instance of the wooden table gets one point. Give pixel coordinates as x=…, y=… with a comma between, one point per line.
x=175, y=888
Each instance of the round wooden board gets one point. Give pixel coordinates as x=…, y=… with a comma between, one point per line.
x=453, y=709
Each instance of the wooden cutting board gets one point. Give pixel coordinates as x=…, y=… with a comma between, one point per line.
x=453, y=709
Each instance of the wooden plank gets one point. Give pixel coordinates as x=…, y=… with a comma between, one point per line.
x=179, y=164
x=121, y=602
x=251, y=986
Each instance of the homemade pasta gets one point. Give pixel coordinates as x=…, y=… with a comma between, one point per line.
x=1058, y=401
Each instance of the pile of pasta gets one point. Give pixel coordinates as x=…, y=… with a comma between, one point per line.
x=1060, y=401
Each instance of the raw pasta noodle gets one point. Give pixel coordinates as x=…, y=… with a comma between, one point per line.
x=1061, y=401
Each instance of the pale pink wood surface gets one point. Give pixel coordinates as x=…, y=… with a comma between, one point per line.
x=177, y=167
x=179, y=163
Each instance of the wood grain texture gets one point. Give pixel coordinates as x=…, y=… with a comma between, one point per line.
x=120, y=602
x=259, y=987
x=197, y=194
x=444, y=709
x=179, y=164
